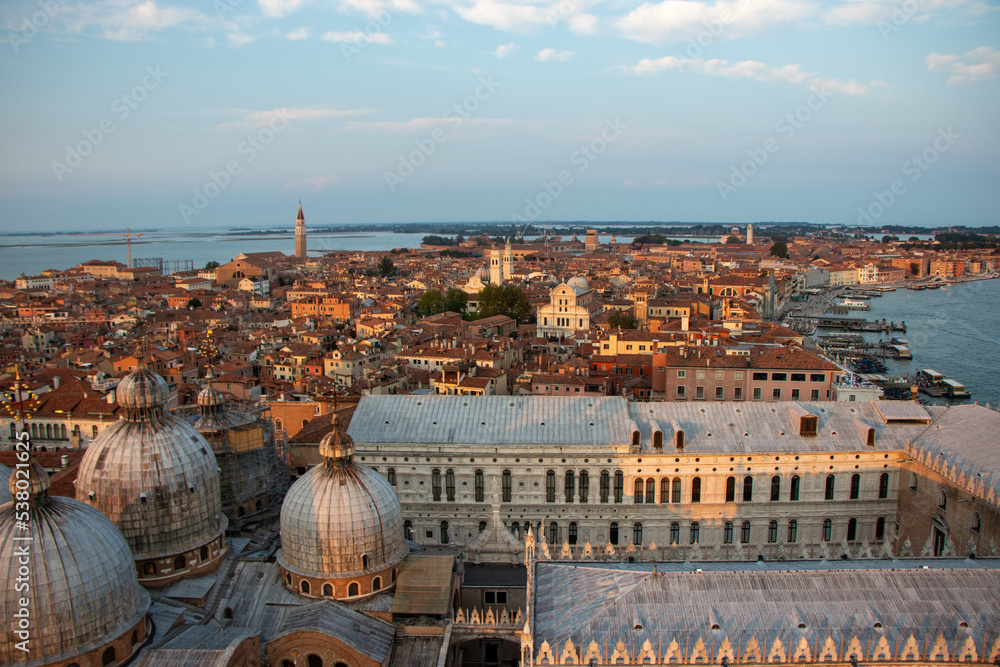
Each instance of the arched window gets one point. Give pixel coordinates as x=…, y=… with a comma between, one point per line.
x=650, y=490
x=730, y=489
x=572, y=532
x=793, y=531
x=550, y=486
x=445, y=538
x=305, y=422
x=364, y=561
x=605, y=486
x=665, y=490
x=449, y=484
x=619, y=486
x=480, y=486
x=793, y=491
x=977, y=522
x=149, y=568
x=696, y=490
x=569, y=485
x=727, y=533
x=855, y=486
x=407, y=530
x=240, y=511
x=584, y=486
x=390, y=474
x=482, y=526
x=675, y=490
x=747, y=489
x=505, y=486
x=830, y=483
x=304, y=587
x=637, y=534
x=278, y=425
x=639, y=487
x=745, y=532
x=353, y=589
x=376, y=584
x=772, y=531
x=943, y=500
x=553, y=533
x=328, y=590
x=436, y=484
x=314, y=661
x=180, y=563
x=775, y=488
x=658, y=439
x=515, y=529
x=880, y=528
x=883, y=485
x=203, y=552
x=93, y=431
x=695, y=532
x=62, y=431
x=635, y=438
x=613, y=533
x=852, y=530
x=675, y=533
x=109, y=656
x=827, y=530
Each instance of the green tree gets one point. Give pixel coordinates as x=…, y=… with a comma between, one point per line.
x=212, y=265
x=194, y=302
x=733, y=240
x=620, y=320
x=779, y=249
x=431, y=303
x=509, y=300
x=386, y=268
x=914, y=269
x=456, y=300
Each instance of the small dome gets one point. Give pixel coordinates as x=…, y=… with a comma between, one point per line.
x=340, y=519
x=210, y=396
x=577, y=281
x=142, y=389
x=37, y=485
x=83, y=593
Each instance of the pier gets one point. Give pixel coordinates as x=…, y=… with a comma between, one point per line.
x=858, y=324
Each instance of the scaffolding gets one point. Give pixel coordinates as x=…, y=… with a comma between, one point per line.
x=165, y=266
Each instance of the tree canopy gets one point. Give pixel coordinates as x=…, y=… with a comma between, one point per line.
x=386, y=268
x=733, y=240
x=620, y=320
x=779, y=249
x=509, y=300
x=456, y=300
x=431, y=303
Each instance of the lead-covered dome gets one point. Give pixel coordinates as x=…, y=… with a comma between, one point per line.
x=341, y=525
x=157, y=478
x=577, y=281
x=82, y=592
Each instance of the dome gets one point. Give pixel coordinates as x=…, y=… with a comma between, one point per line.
x=577, y=281
x=83, y=595
x=341, y=520
x=142, y=389
x=154, y=475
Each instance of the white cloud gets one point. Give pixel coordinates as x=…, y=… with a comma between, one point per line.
x=681, y=20
x=314, y=183
x=238, y=39
x=983, y=63
x=356, y=37
x=583, y=24
x=251, y=119
x=504, y=49
x=897, y=12
x=419, y=125
x=380, y=8
x=278, y=8
x=298, y=34
x=131, y=20
x=548, y=55
x=510, y=17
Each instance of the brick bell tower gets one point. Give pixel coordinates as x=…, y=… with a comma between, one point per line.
x=300, y=234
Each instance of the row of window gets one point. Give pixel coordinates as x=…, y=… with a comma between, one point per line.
x=644, y=491
x=758, y=393
x=758, y=376
x=48, y=431
x=554, y=536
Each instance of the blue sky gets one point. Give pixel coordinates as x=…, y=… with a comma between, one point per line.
x=162, y=113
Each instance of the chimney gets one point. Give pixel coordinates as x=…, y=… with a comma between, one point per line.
x=55, y=382
x=64, y=461
x=685, y=322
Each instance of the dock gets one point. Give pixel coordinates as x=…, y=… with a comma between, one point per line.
x=858, y=324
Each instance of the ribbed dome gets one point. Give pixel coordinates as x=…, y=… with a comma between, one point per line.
x=336, y=445
x=83, y=592
x=336, y=514
x=142, y=389
x=155, y=476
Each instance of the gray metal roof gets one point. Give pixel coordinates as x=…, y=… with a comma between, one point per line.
x=493, y=420
x=607, y=602
x=363, y=633
x=198, y=646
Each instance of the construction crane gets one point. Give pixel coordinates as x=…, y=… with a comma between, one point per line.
x=128, y=235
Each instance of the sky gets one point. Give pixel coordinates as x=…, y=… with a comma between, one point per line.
x=175, y=114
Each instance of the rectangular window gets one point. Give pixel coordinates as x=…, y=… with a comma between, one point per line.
x=776, y=394
x=817, y=377
x=756, y=393
x=737, y=375
x=798, y=377
x=681, y=374
x=779, y=377
x=680, y=391
x=699, y=375
x=449, y=484
x=720, y=393
x=761, y=377
x=550, y=487
x=720, y=375
x=814, y=395
x=738, y=394
x=699, y=392
x=494, y=597
x=605, y=486
x=436, y=484
x=795, y=394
